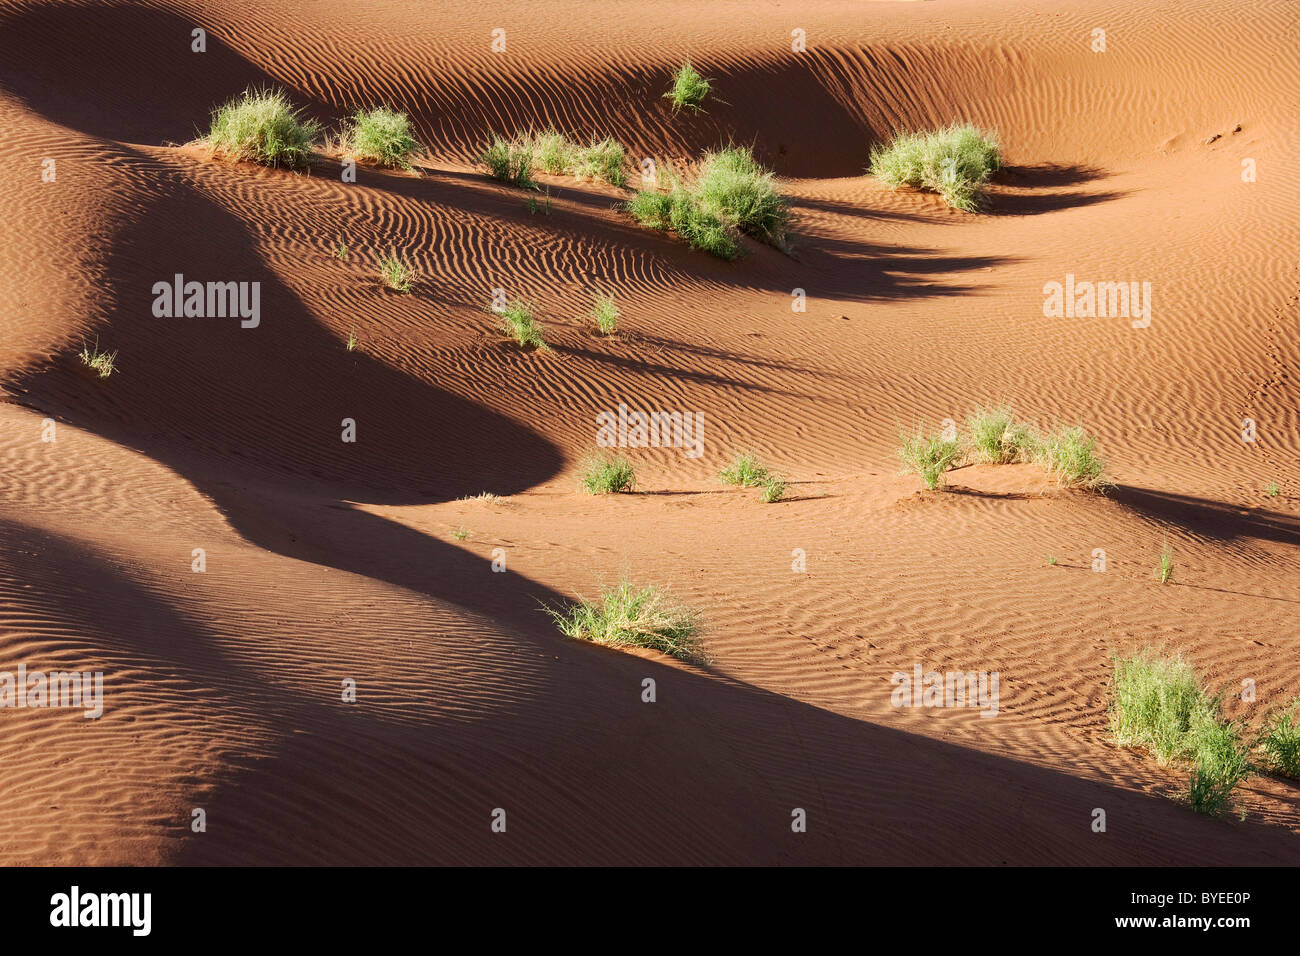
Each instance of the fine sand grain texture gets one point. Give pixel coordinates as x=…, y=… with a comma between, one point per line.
x=1171, y=158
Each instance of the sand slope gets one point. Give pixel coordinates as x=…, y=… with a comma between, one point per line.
x=329, y=561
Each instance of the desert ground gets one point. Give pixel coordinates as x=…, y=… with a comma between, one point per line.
x=1171, y=157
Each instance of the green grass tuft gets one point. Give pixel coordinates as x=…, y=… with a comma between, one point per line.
x=1159, y=704
x=996, y=437
x=736, y=189
x=102, y=363
x=732, y=194
x=929, y=456
x=699, y=227
x=1272, y=489
x=745, y=470
x=518, y=322
x=1280, y=741
x=603, y=160
x=510, y=163
x=682, y=212
x=773, y=490
x=652, y=208
x=1164, y=571
x=627, y=616
x=605, y=314
x=554, y=153
x=1219, y=764
x=607, y=473
x=352, y=342
x=688, y=90
x=396, y=272
x=1154, y=701
x=1070, y=455
x=954, y=162
x=382, y=136
x=262, y=126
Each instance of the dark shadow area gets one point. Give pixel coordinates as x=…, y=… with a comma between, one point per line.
x=1042, y=178
x=1206, y=587
x=48, y=50
x=233, y=404
x=848, y=269
x=640, y=365
x=1211, y=519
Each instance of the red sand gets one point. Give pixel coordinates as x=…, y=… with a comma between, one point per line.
x=329, y=561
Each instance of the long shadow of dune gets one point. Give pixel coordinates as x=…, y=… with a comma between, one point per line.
x=850, y=269
x=585, y=771
x=231, y=402
x=119, y=71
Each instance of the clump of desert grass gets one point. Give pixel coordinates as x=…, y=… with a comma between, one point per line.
x=351, y=343
x=382, y=136
x=929, y=456
x=629, y=616
x=341, y=251
x=996, y=437
x=737, y=189
x=1069, y=454
x=1279, y=740
x=1164, y=569
x=605, y=314
x=682, y=212
x=396, y=273
x=731, y=194
x=262, y=126
x=1219, y=764
x=100, y=362
x=688, y=89
x=515, y=160
x=1272, y=489
x=1159, y=704
x=544, y=207
x=601, y=159
x=552, y=151
x=1153, y=702
x=745, y=471
x=510, y=162
x=607, y=473
x=518, y=322
x=954, y=162
x=774, y=489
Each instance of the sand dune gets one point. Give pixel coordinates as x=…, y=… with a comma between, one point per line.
x=329, y=561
